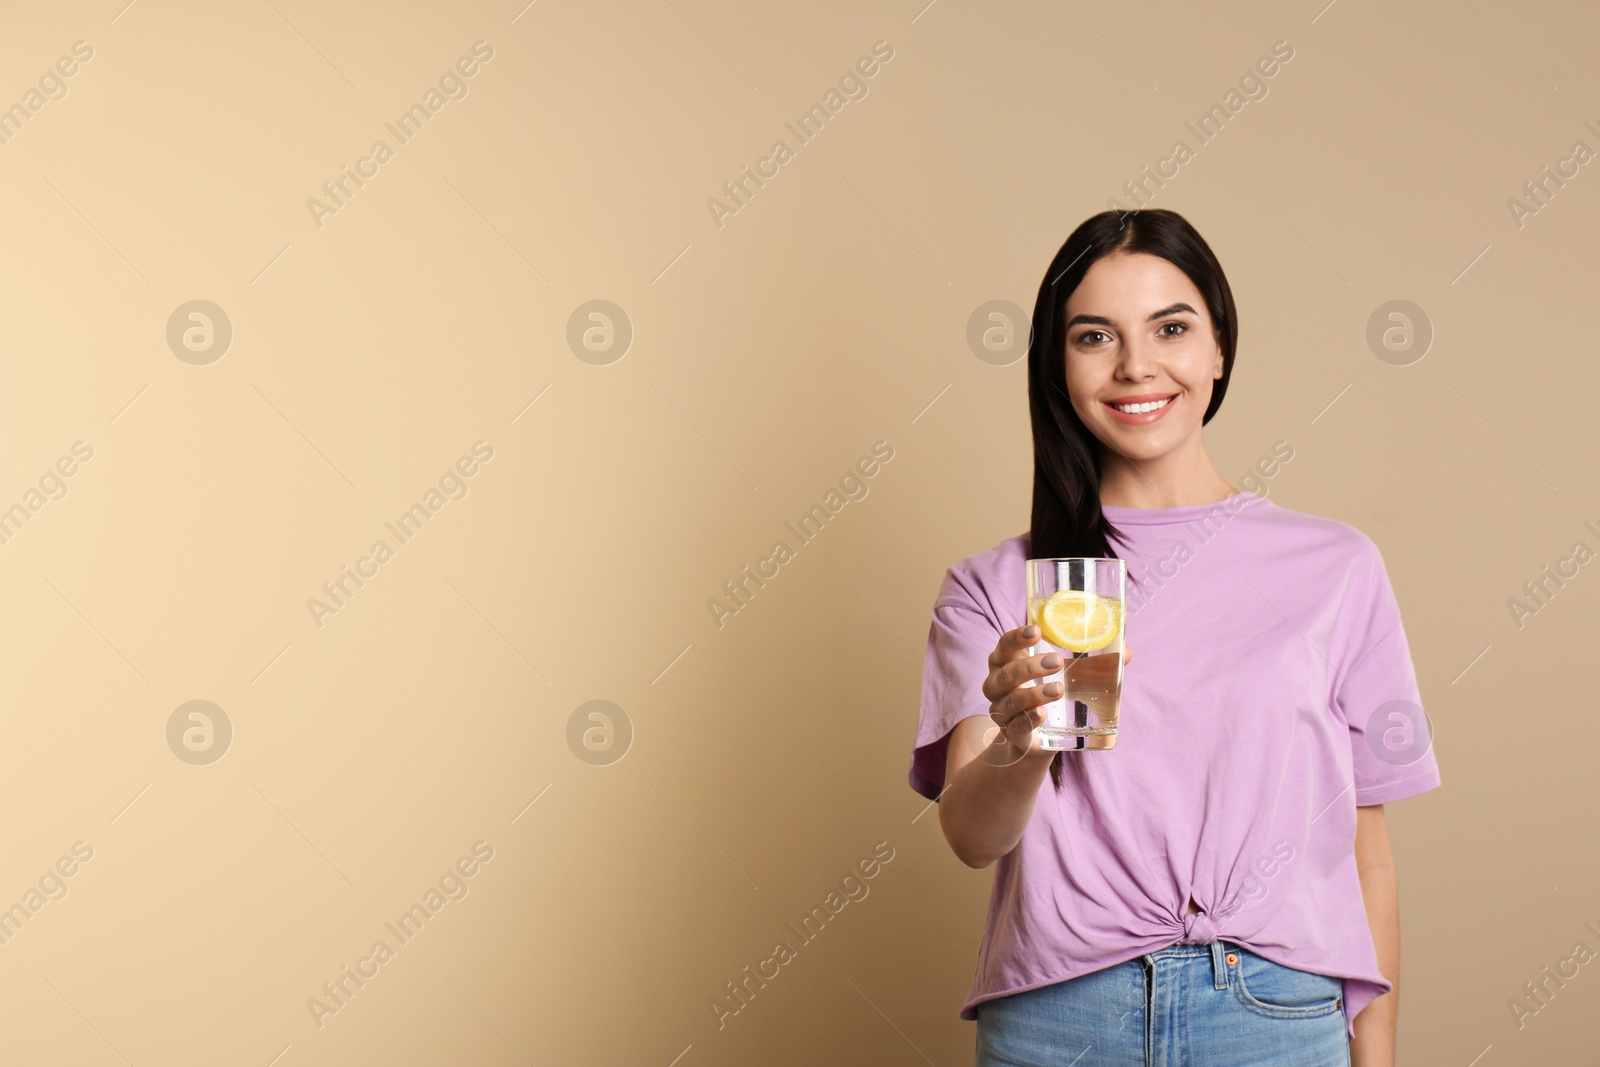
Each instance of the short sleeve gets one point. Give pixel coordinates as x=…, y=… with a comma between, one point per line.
x=960, y=639
x=1391, y=747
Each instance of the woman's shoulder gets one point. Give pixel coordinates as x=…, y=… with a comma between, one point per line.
x=1305, y=531
x=975, y=579
x=993, y=561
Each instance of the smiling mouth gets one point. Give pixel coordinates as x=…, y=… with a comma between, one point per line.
x=1139, y=409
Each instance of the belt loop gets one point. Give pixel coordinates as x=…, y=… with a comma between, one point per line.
x=1219, y=967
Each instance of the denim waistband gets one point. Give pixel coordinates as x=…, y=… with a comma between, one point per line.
x=1217, y=950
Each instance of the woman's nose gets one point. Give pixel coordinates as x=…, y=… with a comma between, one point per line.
x=1135, y=359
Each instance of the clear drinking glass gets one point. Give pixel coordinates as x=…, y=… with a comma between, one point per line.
x=1078, y=606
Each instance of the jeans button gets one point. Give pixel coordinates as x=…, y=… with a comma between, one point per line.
x=1232, y=959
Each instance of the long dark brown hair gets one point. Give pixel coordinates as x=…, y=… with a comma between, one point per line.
x=1067, y=520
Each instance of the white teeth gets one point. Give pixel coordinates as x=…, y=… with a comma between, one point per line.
x=1136, y=409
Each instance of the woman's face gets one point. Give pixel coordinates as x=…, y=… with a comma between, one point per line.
x=1138, y=332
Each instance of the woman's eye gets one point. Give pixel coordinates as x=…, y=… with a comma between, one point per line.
x=1086, y=338
x=1182, y=327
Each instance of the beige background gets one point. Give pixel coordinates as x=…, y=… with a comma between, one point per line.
x=768, y=755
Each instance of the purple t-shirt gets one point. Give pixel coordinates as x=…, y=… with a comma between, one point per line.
x=1270, y=675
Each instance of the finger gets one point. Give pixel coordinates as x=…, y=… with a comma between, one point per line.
x=1005, y=678
x=1018, y=724
x=1024, y=699
x=1015, y=731
x=1024, y=732
x=1027, y=668
x=1012, y=644
x=1127, y=654
x=1016, y=703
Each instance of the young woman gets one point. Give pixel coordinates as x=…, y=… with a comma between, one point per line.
x=1218, y=888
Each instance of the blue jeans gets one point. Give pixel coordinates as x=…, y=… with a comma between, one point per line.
x=1188, y=1005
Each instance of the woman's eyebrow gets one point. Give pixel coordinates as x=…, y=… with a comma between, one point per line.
x=1099, y=320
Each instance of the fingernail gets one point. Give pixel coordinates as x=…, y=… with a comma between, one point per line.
x=1029, y=633
x=1053, y=689
x=1051, y=661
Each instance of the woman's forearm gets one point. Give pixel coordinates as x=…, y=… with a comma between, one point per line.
x=989, y=802
x=1374, y=1044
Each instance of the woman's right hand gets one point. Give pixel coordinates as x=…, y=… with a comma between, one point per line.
x=1015, y=695
x=984, y=810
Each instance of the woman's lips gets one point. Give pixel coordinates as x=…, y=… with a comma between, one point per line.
x=1143, y=417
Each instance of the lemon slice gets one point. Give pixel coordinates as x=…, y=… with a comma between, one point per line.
x=1079, y=621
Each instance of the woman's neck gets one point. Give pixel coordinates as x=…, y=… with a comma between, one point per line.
x=1170, y=481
